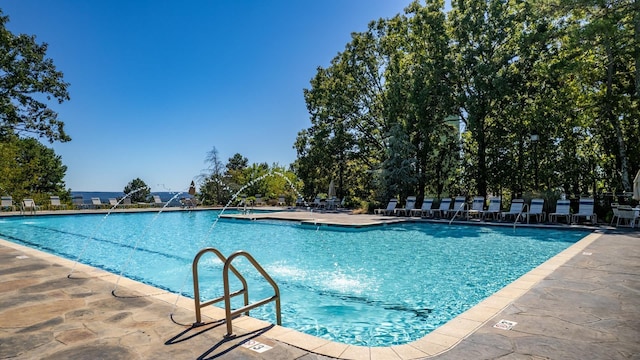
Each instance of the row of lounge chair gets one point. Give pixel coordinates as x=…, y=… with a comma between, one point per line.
x=29, y=205
x=318, y=203
x=258, y=201
x=96, y=202
x=518, y=211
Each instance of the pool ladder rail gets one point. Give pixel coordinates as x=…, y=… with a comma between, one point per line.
x=229, y=313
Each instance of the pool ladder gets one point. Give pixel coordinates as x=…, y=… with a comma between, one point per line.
x=229, y=314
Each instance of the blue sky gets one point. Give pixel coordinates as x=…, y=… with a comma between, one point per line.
x=156, y=84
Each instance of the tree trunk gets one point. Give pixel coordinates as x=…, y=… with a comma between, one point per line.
x=615, y=121
x=636, y=36
x=482, y=159
x=422, y=177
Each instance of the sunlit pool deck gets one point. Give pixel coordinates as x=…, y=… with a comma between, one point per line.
x=582, y=303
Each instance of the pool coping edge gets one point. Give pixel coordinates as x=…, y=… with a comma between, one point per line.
x=436, y=342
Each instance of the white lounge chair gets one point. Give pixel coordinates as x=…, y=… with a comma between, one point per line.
x=157, y=201
x=563, y=209
x=113, y=202
x=459, y=207
x=629, y=215
x=445, y=204
x=425, y=209
x=494, y=209
x=7, y=203
x=408, y=206
x=536, y=209
x=585, y=210
x=29, y=205
x=56, y=204
x=516, y=210
x=96, y=202
x=390, y=209
x=614, y=209
x=281, y=201
x=477, y=207
x=78, y=202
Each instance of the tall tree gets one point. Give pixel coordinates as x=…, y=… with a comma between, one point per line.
x=214, y=190
x=603, y=36
x=138, y=189
x=481, y=31
x=234, y=175
x=237, y=162
x=346, y=137
x=27, y=77
x=419, y=98
x=547, y=92
x=29, y=168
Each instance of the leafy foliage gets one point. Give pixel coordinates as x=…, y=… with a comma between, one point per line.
x=546, y=93
x=220, y=182
x=138, y=189
x=27, y=79
x=29, y=168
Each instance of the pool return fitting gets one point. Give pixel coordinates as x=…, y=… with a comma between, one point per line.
x=229, y=313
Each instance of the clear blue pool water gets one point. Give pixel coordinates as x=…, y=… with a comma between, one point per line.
x=379, y=286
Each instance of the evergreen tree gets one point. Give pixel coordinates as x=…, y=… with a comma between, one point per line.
x=139, y=191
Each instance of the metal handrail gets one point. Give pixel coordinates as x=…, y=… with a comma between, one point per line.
x=196, y=286
x=462, y=206
x=524, y=206
x=227, y=296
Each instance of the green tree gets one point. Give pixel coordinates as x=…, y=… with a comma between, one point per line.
x=398, y=169
x=419, y=98
x=139, y=191
x=237, y=162
x=215, y=188
x=255, y=175
x=27, y=77
x=602, y=39
x=388, y=89
x=346, y=139
x=547, y=92
x=481, y=33
x=234, y=174
x=31, y=169
x=282, y=182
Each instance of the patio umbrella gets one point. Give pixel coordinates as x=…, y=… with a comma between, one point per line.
x=332, y=190
x=192, y=188
x=636, y=186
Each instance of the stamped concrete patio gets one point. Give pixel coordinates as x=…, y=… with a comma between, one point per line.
x=582, y=304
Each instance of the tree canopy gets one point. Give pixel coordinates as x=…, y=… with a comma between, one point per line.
x=28, y=80
x=492, y=97
x=29, y=168
x=138, y=189
x=220, y=181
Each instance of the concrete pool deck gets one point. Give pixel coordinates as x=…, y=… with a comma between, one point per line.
x=582, y=303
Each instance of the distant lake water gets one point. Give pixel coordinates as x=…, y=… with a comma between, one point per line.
x=106, y=195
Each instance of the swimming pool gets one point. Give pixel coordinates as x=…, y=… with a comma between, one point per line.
x=378, y=286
